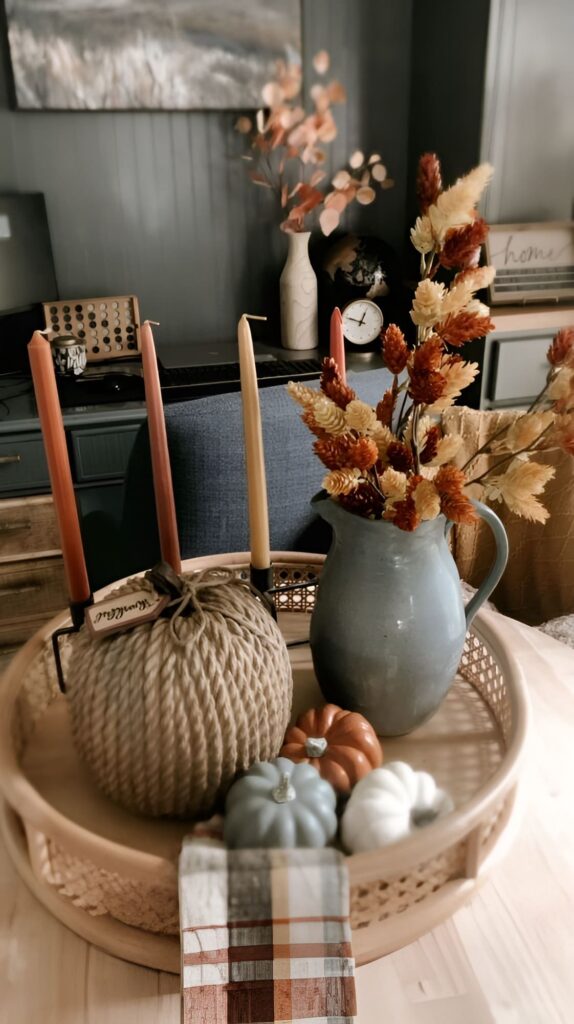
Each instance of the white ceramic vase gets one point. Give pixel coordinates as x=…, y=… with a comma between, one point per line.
x=298, y=293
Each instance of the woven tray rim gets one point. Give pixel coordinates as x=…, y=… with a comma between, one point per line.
x=34, y=810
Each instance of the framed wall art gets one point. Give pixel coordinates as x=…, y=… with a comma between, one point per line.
x=145, y=54
x=534, y=262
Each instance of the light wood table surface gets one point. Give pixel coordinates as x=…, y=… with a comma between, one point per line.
x=506, y=958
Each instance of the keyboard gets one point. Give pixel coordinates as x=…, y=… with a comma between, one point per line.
x=184, y=382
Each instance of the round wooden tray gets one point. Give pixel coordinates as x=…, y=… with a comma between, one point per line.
x=111, y=876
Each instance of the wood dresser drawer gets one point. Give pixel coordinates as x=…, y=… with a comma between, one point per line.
x=28, y=526
x=23, y=465
x=31, y=586
x=102, y=453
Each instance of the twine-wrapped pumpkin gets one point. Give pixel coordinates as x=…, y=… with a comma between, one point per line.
x=166, y=713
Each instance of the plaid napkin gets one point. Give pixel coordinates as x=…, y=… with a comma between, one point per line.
x=265, y=935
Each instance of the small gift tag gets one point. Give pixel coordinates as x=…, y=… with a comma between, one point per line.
x=124, y=611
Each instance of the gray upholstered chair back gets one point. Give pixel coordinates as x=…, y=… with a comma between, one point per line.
x=205, y=439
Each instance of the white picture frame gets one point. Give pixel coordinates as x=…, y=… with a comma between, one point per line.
x=533, y=262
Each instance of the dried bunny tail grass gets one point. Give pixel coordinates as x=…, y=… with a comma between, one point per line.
x=561, y=388
x=524, y=432
x=426, y=499
x=446, y=449
x=342, y=481
x=334, y=451
x=463, y=326
x=429, y=448
x=332, y=384
x=457, y=375
x=518, y=488
x=399, y=456
x=461, y=247
x=429, y=181
x=364, y=501
x=455, y=206
x=454, y=504
x=395, y=350
x=360, y=417
x=422, y=235
x=427, y=303
x=302, y=393
x=383, y=437
x=385, y=408
x=329, y=417
x=393, y=484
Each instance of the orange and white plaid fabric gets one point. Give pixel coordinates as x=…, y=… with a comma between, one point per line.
x=265, y=936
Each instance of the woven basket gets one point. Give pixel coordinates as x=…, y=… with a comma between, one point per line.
x=112, y=877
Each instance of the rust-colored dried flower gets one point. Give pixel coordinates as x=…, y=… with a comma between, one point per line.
x=310, y=422
x=365, y=501
x=399, y=456
x=386, y=407
x=430, y=447
x=395, y=351
x=429, y=181
x=332, y=385
x=347, y=452
x=454, y=504
x=426, y=388
x=461, y=247
x=561, y=351
x=334, y=451
x=404, y=515
x=464, y=326
x=428, y=356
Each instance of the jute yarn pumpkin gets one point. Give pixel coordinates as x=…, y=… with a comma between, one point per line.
x=167, y=713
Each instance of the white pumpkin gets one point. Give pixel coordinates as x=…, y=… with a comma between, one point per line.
x=390, y=803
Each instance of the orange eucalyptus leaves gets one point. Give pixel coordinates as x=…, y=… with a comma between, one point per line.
x=341, y=745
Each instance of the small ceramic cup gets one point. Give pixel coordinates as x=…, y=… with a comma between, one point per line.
x=69, y=355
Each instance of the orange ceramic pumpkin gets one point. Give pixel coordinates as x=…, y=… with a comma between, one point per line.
x=341, y=745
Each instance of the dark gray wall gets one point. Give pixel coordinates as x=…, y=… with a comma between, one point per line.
x=159, y=203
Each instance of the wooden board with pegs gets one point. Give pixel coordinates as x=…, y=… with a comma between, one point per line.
x=108, y=325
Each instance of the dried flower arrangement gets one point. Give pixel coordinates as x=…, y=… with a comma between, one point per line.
x=288, y=151
x=394, y=461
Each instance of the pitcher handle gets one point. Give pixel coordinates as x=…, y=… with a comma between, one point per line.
x=498, y=566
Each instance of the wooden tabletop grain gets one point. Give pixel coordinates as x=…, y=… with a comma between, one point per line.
x=507, y=958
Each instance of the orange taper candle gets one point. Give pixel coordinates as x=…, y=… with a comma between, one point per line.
x=337, y=343
x=160, y=464
x=52, y=424
x=254, y=456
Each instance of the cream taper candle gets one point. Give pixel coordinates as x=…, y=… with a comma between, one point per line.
x=161, y=467
x=53, y=433
x=254, y=455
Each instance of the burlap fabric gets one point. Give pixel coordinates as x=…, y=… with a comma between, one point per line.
x=538, y=583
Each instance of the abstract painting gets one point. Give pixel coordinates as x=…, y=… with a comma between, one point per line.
x=148, y=54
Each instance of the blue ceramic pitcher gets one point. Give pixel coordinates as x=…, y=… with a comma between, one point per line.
x=388, y=627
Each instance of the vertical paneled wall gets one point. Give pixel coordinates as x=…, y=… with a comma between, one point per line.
x=159, y=203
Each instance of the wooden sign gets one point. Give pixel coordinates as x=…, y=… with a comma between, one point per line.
x=533, y=262
x=124, y=611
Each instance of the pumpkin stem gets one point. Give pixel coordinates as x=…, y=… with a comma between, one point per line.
x=315, y=746
x=284, y=792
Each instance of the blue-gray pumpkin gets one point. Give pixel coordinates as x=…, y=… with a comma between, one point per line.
x=280, y=804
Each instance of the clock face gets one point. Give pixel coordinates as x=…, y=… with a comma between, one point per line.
x=362, y=322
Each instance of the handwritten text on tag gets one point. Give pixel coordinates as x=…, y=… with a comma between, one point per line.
x=124, y=611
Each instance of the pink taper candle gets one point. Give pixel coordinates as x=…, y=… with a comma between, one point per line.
x=160, y=464
x=337, y=342
x=254, y=456
x=48, y=402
